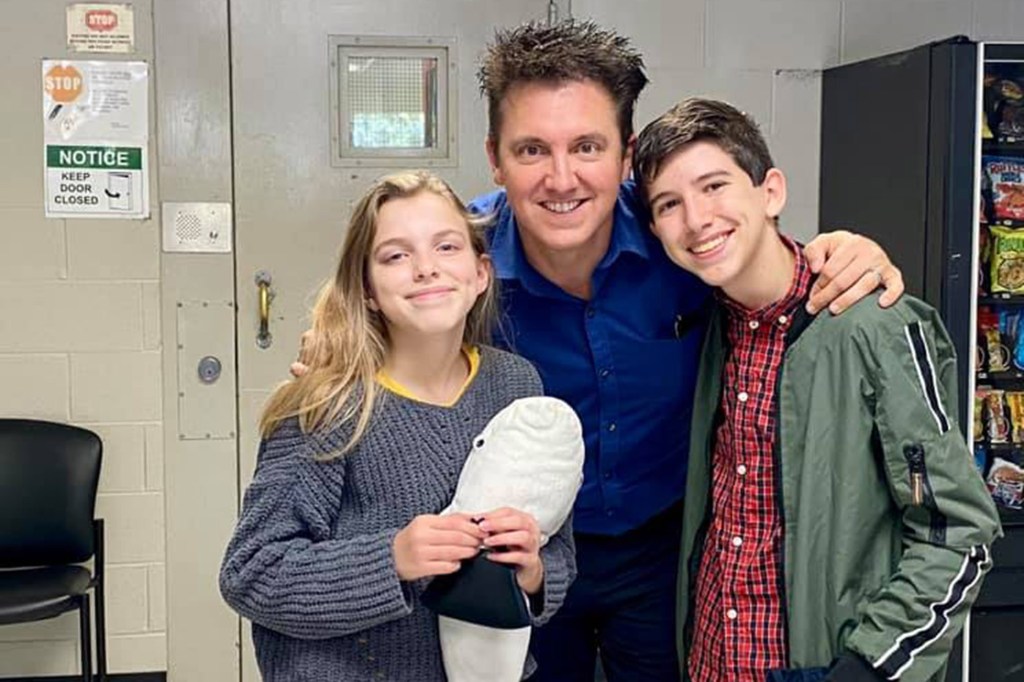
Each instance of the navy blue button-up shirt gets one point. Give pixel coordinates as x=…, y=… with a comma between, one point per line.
x=626, y=360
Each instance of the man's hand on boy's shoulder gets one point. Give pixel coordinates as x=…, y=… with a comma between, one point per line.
x=301, y=364
x=849, y=267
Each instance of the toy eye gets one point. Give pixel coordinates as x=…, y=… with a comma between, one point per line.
x=479, y=443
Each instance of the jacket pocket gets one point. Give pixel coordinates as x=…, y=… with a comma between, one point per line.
x=797, y=675
x=921, y=494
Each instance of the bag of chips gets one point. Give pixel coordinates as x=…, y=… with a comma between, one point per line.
x=1005, y=179
x=1006, y=482
x=1007, y=259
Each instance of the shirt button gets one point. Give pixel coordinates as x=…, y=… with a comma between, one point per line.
x=607, y=475
x=731, y=614
x=612, y=427
x=754, y=324
x=737, y=541
x=783, y=319
x=610, y=512
x=605, y=373
x=590, y=312
x=741, y=469
x=743, y=396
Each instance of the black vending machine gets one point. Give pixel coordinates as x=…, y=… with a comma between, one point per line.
x=923, y=151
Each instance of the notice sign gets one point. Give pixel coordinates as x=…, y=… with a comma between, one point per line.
x=94, y=180
x=95, y=122
x=101, y=28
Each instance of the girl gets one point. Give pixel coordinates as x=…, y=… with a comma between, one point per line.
x=338, y=529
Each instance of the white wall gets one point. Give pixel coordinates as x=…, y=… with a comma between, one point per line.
x=80, y=342
x=80, y=336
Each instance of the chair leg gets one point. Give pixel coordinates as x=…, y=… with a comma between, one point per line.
x=84, y=635
x=101, y=600
x=101, y=634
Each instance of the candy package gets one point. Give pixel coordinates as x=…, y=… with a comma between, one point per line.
x=998, y=423
x=1011, y=121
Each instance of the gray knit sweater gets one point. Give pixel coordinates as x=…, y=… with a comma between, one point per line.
x=311, y=564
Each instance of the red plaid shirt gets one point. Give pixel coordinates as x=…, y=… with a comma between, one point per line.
x=740, y=631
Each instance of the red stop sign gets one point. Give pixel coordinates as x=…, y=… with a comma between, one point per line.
x=101, y=20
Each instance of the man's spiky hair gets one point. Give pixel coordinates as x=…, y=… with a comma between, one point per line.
x=568, y=51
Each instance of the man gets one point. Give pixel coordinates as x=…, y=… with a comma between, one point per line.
x=835, y=527
x=613, y=327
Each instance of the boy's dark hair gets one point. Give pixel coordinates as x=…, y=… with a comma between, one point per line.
x=695, y=119
x=568, y=51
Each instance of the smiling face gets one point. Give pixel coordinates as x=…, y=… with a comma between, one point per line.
x=560, y=158
x=712, y=219
x=424, y=275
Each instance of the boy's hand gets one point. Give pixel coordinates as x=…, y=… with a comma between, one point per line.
x=518, y=537
x=849, y=267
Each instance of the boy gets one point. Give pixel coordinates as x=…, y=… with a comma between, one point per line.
x=835, y=528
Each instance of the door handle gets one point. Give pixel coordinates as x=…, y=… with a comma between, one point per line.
x=264, y=338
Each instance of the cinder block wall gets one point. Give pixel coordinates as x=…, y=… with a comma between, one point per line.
x=80, y=342
x=80, y=338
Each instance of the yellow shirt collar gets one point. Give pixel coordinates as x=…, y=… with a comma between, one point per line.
x=471, y=353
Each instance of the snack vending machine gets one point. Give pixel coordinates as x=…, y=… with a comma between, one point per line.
x=923, y=151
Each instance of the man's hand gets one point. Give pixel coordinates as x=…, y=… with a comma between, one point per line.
x=435, y=545
x=518, y=536
x=301, y=364
x=849, y=267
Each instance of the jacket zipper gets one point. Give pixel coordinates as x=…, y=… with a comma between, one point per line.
x=921, y=493
x=777, y=457
x=914, y=454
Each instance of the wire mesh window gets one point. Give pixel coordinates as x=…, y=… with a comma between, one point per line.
x=391, y=101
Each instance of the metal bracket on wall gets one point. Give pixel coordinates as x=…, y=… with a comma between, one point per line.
x=206, y=352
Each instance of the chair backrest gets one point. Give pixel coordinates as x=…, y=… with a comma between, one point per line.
x=48, y=478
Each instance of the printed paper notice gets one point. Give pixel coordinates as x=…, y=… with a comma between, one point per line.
x=101, y=28
x=96, y=134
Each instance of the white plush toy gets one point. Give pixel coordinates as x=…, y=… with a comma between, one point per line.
x=529, y=457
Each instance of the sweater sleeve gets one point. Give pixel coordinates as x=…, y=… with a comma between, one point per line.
x=559, y=559
x=906, y=629
x=284, y=570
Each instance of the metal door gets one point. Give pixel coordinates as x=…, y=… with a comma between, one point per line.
x=291, y=203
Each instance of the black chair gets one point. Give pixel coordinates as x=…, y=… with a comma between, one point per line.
x=48, y=478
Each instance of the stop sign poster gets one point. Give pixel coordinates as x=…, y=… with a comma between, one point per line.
x=100, y=28
x=96, y=138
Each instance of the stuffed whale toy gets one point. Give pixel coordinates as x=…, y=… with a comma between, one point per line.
x=529, y=457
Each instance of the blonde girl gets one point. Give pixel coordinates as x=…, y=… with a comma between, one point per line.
x=339, y=529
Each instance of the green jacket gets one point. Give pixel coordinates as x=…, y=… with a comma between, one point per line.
x=887, y=523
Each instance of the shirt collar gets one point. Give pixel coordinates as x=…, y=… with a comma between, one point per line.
x=780, y=311
x=509, y=258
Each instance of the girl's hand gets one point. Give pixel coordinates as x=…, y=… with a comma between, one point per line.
x=515, y=537
x=434, y=545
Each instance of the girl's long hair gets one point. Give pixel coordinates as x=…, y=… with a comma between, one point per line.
x=348, y=342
